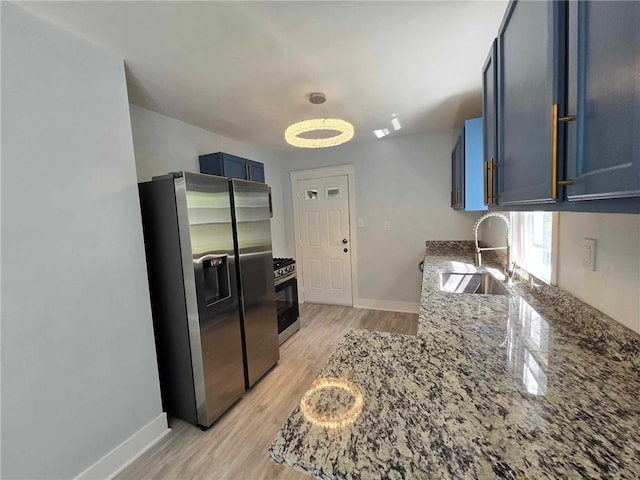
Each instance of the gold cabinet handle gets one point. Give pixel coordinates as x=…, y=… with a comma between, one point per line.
x=485, y=185
x=554, y=150
x=491, y=175
x=456, y=201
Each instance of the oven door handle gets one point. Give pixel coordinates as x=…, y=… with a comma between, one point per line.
x=286, y=278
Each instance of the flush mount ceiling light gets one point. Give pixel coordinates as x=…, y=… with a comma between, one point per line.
x=344, y=129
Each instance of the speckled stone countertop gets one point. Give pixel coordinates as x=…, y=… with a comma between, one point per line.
x=488, y=389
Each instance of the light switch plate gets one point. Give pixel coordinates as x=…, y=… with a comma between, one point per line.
x=589, y=254
x=387, y=225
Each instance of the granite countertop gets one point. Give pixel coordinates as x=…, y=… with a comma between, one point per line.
x=489, y=388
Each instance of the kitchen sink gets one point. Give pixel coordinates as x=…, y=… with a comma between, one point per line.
x=482, y=283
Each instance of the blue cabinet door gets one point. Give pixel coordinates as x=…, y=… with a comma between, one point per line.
x=460, y=177
x=603, y=142
x=211, y=164
x=256, y=171
x=466, y=168
x=457, y=175
x=234, y=167
x=473, y=191
x=490, y=124
x=454, y=180
x=530, y=82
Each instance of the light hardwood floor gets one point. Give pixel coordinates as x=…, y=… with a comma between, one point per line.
x=235, y=447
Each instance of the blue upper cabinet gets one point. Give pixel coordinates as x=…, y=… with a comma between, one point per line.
x=474, y=195
x=226, y=165
x=562, y=88
x=530, y=81
x=490, y=123
x=467, y=191
x=234, y=167
x=256, y=171
x=603, y=95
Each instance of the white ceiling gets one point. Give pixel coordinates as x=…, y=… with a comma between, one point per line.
x=245, y=69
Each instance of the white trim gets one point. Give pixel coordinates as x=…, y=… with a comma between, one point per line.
x=388, y=305
x=349, y=171
x=555, y=247
x=124, y=454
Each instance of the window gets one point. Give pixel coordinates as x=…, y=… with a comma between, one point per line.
x=333, y=192
x=532, y=242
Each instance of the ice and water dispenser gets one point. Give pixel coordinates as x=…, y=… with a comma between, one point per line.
x=212, y=275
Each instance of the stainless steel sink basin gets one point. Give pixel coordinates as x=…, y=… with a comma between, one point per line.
x=482, y=283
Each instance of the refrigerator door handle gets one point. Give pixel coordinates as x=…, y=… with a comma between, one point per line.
x=215, y=259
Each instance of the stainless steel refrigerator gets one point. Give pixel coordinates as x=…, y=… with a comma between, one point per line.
x=206, y=344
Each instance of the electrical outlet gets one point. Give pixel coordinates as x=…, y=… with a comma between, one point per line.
x=387, y=225
x=589, y=254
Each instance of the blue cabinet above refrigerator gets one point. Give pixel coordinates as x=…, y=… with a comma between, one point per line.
x=231, y=166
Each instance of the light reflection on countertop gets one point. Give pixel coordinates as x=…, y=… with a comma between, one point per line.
x=323, y=405
x=522, y=345
x=528, y=344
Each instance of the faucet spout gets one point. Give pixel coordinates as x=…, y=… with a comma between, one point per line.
x=510, y=266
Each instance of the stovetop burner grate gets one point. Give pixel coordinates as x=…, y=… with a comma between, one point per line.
x=282, y=262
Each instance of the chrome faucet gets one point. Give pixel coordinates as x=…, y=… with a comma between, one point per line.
x=510, y=267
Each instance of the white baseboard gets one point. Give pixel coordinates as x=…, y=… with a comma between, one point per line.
x=387, y=305
x=124, y=454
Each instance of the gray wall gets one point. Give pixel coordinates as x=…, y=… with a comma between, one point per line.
x=79, y=373
x=406, y=180
x=163, y=144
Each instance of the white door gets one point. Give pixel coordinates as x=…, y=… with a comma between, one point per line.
x=323, y=211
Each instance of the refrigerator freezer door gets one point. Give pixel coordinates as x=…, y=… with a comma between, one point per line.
x=253, y=237
x=206, y=242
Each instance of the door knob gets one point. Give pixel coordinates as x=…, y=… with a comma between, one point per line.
x=346, y=250
x=344, y=240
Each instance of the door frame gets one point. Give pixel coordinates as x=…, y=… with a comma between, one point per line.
x=349, y=171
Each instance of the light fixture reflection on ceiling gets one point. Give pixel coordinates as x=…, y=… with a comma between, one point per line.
x=395, y=122
x=383, y=132
x=293, y=132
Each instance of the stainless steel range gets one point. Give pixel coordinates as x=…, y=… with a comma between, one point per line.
x=284, y=274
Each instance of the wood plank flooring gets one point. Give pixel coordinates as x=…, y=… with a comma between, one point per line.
x=235, y=447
